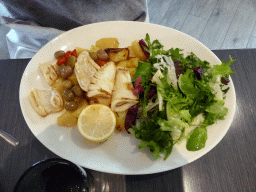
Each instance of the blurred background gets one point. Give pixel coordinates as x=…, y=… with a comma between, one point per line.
x=219, y=24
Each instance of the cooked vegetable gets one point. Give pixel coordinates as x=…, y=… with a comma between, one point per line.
x=132, y=72
x=68, y=95
x=80, y=50
x=138, y=51
x=122, y=63
x=73, y=79
x=102, y=55
x=71, y=106
x=66, y=71
x=133, y=62
x=117, y=54
x=67, y=119
x=58, y=85
x=67, y=84
x=61, y=61
x=107, y=43
x=81, y=105
x=59, y=54
x=71, y=61
x=77, y=90
x=94, y=56
x=74, y=53
x=94, y=49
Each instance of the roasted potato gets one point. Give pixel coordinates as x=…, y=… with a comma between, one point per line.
x=122, y=63
x=80, y=50
x=117, y=54
x=67, y=119
x=82, y=104
x=131, y=52
x=58, y=85
x=73, y=79
x=110, y=42
x=132, y=71
x=137, y=50
x=133, y=62
x=94, y=48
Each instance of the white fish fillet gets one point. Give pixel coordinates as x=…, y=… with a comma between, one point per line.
x=122, y=96
x=45, y=102
x=103, y=81
x=85, y=68
x=49, y=71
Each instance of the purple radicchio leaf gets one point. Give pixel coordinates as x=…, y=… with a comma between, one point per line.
x=151, y=93
x=131, y=117
x=138, y=88
x=144, y=47
x=198, y=72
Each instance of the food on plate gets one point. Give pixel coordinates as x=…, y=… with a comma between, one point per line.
x=85, y=68
x=104, y=43
x=179, y=98
x=97, y=122
x=120, y=120
x=117, y=54
x=46, y=102
x=103, y=81
x=49, y=71
x=160, y=96
x=122, y=96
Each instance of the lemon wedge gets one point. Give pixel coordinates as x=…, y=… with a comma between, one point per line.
x=96, y=122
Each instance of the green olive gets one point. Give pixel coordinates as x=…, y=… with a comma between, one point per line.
x=94, y=56
x=58, y=71
x=71, y=61
x=59, y=54
x=67, y=84
x=68, y=95
x=71, y=106
x=66, y=71
x=77, y=90
x=102, y=55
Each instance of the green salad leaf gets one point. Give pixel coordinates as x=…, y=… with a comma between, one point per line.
x=183, y=110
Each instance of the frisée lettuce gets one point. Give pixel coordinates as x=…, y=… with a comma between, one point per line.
x=184, y=104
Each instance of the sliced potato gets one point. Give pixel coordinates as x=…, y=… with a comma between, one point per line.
x=133, y=62
x=120, y=120
x=67, y=119
x=138, y=51
x=109, y=42
x=94, y=48
x=117, y=54
x=132, y=71
x=80, y=50
x=58, y=85
x=122, y=63
x=82, y=104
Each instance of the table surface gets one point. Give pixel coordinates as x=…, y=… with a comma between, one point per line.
x=230, y=166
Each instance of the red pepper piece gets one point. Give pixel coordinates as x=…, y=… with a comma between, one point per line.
x=61, y=61
x=68, y=54
x=74, y=53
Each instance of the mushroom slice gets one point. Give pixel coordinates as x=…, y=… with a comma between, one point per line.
x=103, y=81
x=85, y=68
x=49, y=71
x=122, y=96
x=45, y=102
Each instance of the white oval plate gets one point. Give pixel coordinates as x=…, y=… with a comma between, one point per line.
x=119, y=154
